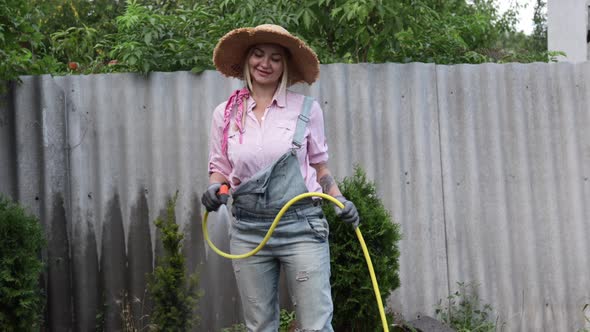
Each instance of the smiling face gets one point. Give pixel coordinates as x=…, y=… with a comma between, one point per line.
x=266, y=64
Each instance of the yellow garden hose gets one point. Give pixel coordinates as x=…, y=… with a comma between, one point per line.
x=274, y=225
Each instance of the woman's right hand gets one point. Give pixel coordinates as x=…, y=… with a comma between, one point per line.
x=210, y=198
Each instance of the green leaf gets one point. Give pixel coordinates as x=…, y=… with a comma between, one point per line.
x=197, y=69
x=306, y=19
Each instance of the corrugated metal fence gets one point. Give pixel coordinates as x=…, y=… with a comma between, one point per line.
x=486, y=168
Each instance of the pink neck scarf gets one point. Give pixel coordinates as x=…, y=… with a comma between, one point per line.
x=236, y=99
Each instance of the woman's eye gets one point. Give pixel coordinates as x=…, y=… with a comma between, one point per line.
x=276, y=59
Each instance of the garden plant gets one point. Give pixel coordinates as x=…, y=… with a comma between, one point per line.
x=355, y=306
x=174, y=295
x=464, y=312
x=21, y=242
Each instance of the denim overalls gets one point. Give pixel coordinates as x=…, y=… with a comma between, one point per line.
x=299, y=244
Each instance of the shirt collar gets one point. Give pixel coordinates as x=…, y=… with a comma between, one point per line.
x=279, y=99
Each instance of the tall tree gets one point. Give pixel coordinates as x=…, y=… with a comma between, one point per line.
x=539, y=36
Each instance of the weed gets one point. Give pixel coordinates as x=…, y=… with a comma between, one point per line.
x=464, y=311
x=287, y=320
x=236, y=328
x=129, y=321
x=285, y=325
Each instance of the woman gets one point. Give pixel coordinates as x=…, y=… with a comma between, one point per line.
x=268, y=145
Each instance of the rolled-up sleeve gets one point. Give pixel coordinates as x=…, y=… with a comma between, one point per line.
x=317, y=147
x=218, y=161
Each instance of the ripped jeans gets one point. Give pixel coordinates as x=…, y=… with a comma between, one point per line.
x=300, y=245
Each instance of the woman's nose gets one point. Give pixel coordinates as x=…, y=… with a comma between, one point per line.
x=266, y=62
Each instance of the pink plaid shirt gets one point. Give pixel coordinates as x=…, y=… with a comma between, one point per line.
x=263, y=143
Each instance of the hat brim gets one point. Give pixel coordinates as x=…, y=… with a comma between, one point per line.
x=231, y=50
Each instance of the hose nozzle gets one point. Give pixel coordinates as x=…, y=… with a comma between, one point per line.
x=223, y=193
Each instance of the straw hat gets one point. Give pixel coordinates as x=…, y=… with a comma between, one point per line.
x=232, y=48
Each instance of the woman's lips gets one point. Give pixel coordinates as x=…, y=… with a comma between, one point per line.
x=263, y=73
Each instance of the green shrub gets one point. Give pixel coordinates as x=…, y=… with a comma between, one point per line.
x=464, y=311
x=21, y=241
x=174, y=296
x=355, y=306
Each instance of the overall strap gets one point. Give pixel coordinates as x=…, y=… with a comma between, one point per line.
x=302, y=121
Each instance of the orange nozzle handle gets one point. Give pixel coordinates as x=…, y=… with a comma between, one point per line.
x=223, y=193
x=224, y=189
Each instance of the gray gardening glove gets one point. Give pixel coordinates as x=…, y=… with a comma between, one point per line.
x=349, y=214
x=210, y=198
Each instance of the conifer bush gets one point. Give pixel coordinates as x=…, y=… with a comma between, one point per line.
x=355, y=306
x=175, y=296
x=21, y=241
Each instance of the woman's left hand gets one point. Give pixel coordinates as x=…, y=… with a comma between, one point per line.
x=349, y=214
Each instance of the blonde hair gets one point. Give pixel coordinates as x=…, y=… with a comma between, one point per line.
x=248, y=79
